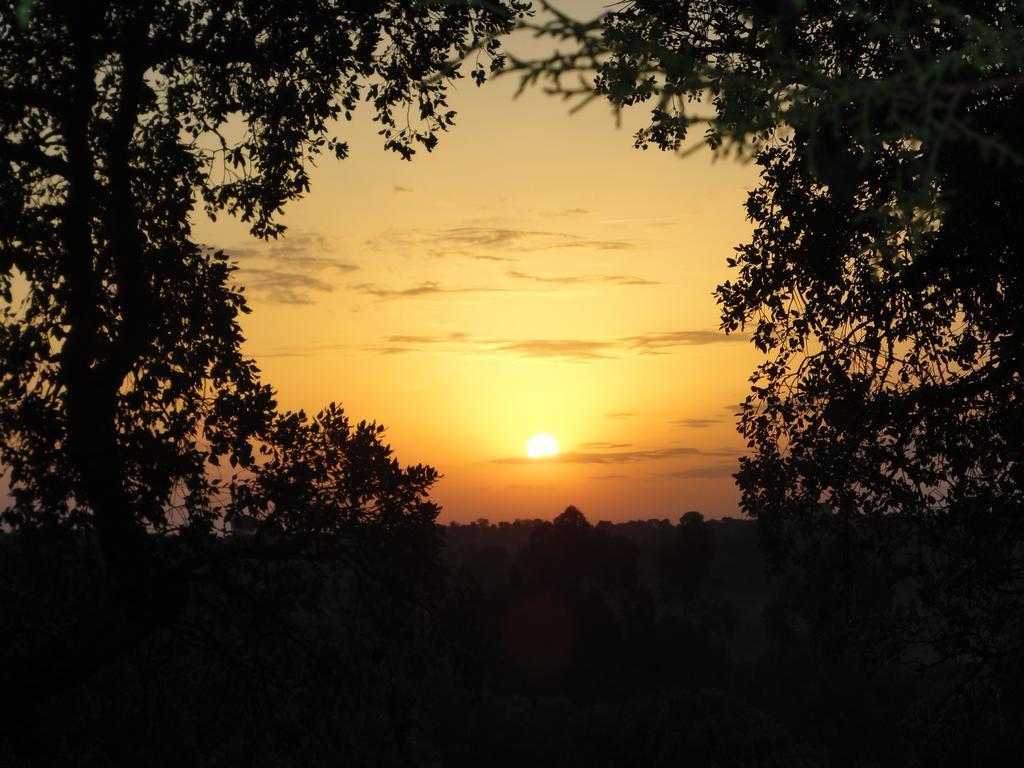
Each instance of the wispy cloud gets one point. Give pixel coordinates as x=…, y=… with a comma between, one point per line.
x=566, y=349
x=720, y=469
x=696, y=423
x=596, y=349
x=487, y=257
x=280, y=287
x=317, y=263
x=291, y=269
x=524, y=239
x=565, y=213
x=655, y=343
x=400, y=345
x=303, y=248
x=480, y=242
x=427, y=288
x=572, y=350
x=400, y=188
x=620, y=415
x=455, y=336
x=578, y=279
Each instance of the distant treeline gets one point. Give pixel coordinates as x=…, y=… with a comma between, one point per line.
x=717, y=560
x=657, y=644
x=536, y=643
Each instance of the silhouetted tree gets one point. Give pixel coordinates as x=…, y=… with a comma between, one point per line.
x=120, y=363
x=886, y=72
x=333, y=487
x=882, y=280
x=122, y=372
x=885, y=419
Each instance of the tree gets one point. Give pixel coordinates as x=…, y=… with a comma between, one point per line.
x=748, y=70
x=336, y=486
x=882, y=280
x=121, y=372
x=886, y=415
x=121, y=369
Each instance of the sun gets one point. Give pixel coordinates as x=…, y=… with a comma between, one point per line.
x=541, y=445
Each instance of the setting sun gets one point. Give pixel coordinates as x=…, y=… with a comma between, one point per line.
x=541, y=445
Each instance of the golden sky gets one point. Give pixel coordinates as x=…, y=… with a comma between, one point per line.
x=535, y=273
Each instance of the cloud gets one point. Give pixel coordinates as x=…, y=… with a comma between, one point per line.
x=696, y=423
x=317, y=263
x=488, y=237
x=630, y=456
x=591, y=349
x=620, y=415
x=567, y=349
x=577, y=279
x=604, y=446
x=722, y=469
x=608, y=477
x=280, y=287
x=524, y=239
x=399, y=188
x=655, y=343
x=572, y=350
x=427, y=288
x=291, y=269
x=566, y=213
x=400, y=345
x=455, y=336
x=479, y=242
x=487, y=257
x=736, y=409
x=291, y=289
x=293, y=247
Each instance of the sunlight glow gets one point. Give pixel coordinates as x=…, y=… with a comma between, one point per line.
x=541, y=445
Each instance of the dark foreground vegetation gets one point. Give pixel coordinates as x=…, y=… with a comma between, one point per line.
x=527, y=643
x=882, y=284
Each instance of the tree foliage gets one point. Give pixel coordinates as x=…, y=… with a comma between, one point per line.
x=881, y=282
x=886, y=413
x=743, y=70
x=337, y=485
x=122, y=375
x=124, y=394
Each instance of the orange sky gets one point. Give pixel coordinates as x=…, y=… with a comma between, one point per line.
x=535, y=273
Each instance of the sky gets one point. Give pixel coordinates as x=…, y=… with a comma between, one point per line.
x=534, y=273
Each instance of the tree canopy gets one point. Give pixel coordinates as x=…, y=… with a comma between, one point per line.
x=122, y=374
x=881, y=281
x=122, y=381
